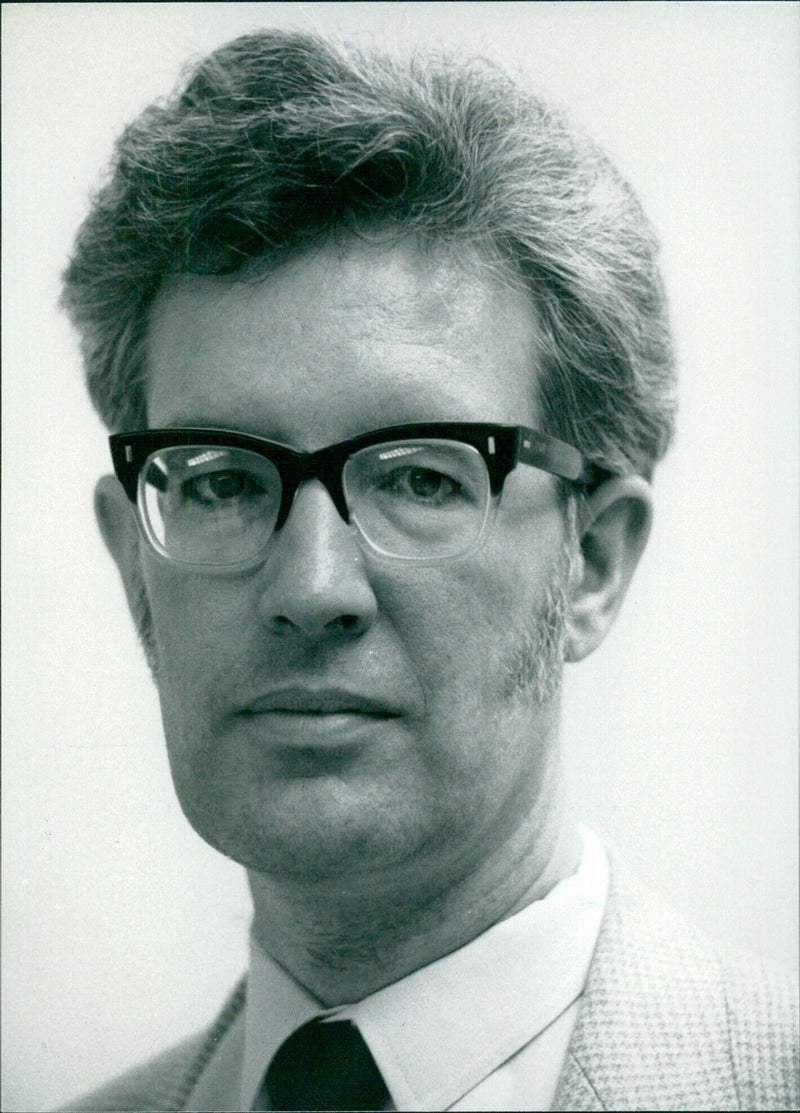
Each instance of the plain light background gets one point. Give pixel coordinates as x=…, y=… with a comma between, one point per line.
x=122, y=930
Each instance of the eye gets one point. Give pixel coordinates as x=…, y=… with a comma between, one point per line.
x=423, y=484
x=218, y=487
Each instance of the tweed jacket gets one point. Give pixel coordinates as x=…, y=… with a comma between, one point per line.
x=667, y=1021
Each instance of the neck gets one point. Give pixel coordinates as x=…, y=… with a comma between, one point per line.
x=343, y=941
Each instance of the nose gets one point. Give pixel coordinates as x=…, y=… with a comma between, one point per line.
x=316, y=584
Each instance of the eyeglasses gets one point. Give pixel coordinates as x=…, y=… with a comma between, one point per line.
x=212, y=498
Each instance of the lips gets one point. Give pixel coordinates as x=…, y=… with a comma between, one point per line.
x=312, y=731
x=319, y=702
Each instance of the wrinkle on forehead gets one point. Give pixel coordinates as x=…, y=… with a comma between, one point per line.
x=423, y=325
x=442, y=284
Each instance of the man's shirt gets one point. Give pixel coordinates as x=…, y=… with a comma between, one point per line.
x=486, y=1027
x=667, y=1020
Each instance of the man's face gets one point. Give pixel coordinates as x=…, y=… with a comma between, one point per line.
x=419, y=743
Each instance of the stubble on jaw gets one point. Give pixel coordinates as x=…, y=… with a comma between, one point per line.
x=143, y=619
x=535, y=666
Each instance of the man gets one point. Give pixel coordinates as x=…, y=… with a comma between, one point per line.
x=385, y=354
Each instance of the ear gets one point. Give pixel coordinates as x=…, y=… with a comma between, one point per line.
x=117, y=522
x=614, y=526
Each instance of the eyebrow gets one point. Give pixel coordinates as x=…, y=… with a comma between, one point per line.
x=239, y=425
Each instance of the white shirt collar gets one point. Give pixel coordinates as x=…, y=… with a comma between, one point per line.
x=438, y=1032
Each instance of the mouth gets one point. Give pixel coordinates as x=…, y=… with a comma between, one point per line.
x=311, y=720
x=320, y=702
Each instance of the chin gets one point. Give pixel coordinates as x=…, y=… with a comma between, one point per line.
x=327, y=835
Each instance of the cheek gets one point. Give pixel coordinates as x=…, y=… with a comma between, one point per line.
x=453, y=632
x=462, y=613
x=481, y=755
x=465, y=627
x=199, y=627
x=459, y=625
x=201, y=631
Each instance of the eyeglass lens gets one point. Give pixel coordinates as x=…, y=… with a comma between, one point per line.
x=414, y=499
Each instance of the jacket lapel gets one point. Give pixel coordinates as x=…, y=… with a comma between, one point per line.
x=574, y=1089
x=652, y=1027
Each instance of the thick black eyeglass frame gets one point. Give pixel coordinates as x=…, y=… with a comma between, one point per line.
x=501, y=446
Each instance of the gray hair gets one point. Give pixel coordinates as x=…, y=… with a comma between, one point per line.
x=280, y=139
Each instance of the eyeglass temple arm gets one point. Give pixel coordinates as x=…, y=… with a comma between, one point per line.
x=552, y=455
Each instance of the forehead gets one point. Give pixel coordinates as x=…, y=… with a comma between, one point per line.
x=351, y=336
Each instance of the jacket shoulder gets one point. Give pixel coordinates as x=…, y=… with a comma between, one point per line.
x=155, y=1086
x=672, y=1020
x=163, y=1084
x=761, y=1003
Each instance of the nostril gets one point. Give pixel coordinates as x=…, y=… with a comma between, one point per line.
x=344, y=623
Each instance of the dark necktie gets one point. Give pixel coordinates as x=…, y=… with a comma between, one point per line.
x=324, y=1066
